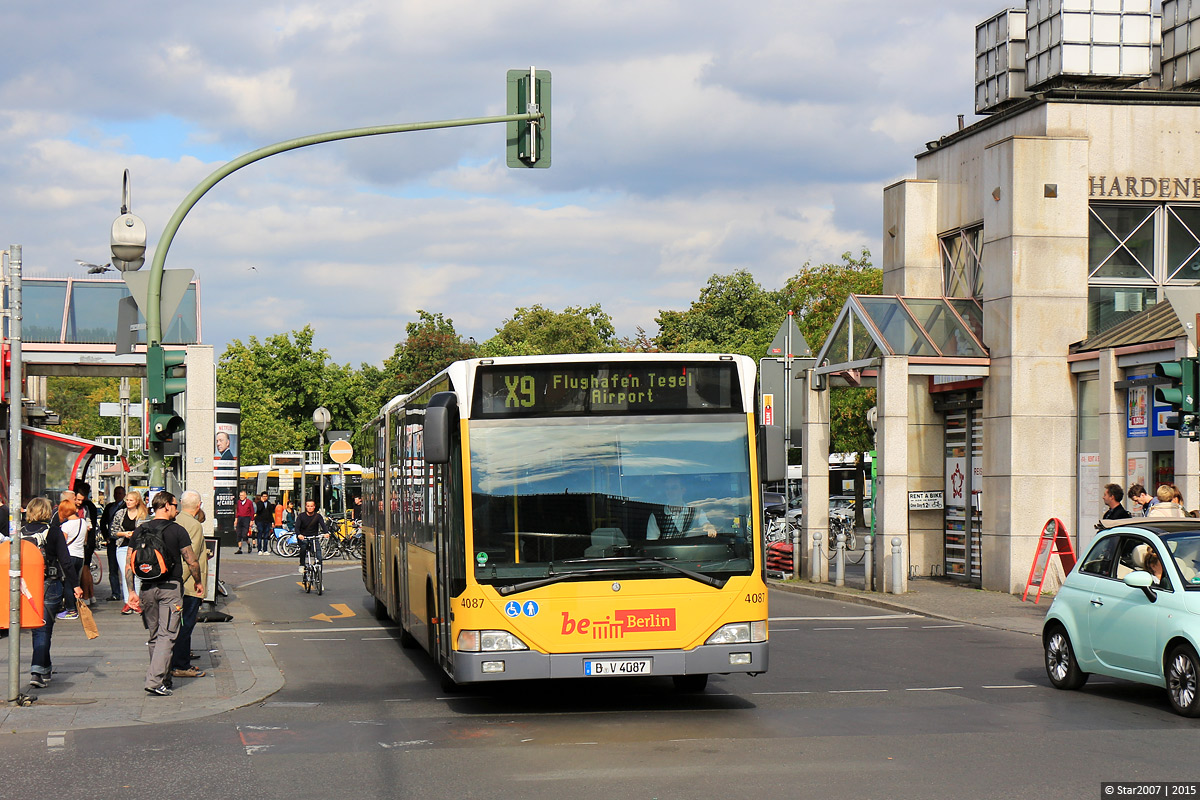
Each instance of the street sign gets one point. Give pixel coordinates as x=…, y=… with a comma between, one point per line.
x=175, y=283
x=114, y=409
x=926, y=501
x=341, y=451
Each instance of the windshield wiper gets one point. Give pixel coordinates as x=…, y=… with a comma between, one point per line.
x=607, y=564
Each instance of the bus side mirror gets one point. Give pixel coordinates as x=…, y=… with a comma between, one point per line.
x=441, y=418
x=772, y=455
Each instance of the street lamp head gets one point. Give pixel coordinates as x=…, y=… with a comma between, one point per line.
x=322, y=418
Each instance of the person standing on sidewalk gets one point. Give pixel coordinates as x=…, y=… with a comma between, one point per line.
x=1113, y=494
x=245, y=513
x=124, y=523
x=106, y=530
x=264, y=520
x=160, y=600
x=193, y=595
x=74, y=530
x=60, y=577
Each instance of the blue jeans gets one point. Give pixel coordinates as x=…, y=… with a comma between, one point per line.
x=41, y=636
x=180, y=654
x=265, y=529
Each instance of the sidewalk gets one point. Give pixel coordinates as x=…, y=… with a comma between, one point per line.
x=940, y=599
x=98, y=683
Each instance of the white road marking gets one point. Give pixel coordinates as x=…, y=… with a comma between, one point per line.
x=262, y=727
x=1012, y=686
x=843, y=619
x=364, y=722
x=932, y=688
x=890, y=628
x=56, y=739
x=857, y=691
x=943, y=626
x=784, y=630
x=833, y=629
x=324, y=639
x=770, y=693
x=329, y=629
x=378, y=639
x=291, y=575
x=399, y=700
x=394, y=745
x=255, y=749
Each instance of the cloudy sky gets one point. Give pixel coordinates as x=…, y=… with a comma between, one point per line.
x=691, y=137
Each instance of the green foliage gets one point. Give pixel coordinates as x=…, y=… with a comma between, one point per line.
x=817, y=294
x=733, y=314
x=431, y=346
x=77, y=401
x=541, y=331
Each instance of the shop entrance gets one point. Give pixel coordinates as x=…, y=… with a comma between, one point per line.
x=963, y=515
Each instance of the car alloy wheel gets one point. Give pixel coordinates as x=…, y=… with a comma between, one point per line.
x=1183, y=673
x=1061, y=666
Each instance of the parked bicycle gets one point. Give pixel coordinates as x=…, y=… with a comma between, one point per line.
x=346, y=539
x=841, y=520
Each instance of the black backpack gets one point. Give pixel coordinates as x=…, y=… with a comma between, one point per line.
x=38, y=532
x=151, y=561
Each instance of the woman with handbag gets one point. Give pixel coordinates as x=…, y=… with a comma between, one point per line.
x=124, y=523
x=74, y=531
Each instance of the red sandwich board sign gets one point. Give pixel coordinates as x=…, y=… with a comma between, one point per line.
x=1054, y=541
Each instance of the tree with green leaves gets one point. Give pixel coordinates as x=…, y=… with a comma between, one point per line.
x=542, y=331
x=734, y=314
x=817, y=295
x=431, y=345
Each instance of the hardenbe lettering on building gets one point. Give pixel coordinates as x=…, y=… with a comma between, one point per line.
x=1144, y=187
x=642, y=620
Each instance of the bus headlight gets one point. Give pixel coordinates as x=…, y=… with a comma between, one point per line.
x=488, y=642
x=739, y=633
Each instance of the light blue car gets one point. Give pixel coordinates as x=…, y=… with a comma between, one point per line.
x=1131, y=609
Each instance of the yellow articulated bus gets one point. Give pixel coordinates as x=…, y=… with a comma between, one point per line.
x=574, y=516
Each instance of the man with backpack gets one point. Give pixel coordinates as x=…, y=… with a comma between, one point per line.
x=158, y=550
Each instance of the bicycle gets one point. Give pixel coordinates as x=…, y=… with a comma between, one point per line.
x=96, y=567
x=346, y=539
x=313, y=569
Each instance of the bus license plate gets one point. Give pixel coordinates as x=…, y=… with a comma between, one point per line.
x=619, y=666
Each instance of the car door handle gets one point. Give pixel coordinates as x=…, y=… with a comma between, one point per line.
x=1097, y=602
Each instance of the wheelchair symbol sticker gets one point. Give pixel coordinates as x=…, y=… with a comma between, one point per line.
x=530, y=608
x=512, y=608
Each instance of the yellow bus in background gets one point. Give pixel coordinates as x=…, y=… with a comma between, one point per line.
x=574, y=516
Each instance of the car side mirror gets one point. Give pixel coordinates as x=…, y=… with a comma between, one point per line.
x=1140, y=579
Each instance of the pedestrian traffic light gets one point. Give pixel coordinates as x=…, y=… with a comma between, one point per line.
x=1180, y=394
x=165, y=378
x=528, y=141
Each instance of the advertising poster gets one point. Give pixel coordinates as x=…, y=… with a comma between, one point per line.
x=1139, y=413
x=226, y=441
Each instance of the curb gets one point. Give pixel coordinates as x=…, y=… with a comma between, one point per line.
x=871, y=600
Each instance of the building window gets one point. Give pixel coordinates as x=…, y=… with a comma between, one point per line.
x=962, y=262
x=1134, y=250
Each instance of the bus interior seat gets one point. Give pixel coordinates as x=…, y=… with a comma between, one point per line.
x=605, y=541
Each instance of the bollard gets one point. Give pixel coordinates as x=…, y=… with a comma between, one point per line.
x=797, y=540
x=839, y=561
x=868, y=563
x=815, y=564
x=897, y=566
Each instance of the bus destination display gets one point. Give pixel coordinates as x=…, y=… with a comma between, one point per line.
x=571, y=389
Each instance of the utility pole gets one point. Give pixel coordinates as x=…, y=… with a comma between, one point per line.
x=16, y=393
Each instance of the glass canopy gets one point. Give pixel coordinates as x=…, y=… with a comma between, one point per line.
x=871, y=326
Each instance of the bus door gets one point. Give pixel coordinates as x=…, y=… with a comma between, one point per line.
x=440, y=503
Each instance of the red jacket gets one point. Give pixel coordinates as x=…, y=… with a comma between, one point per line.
x=245, y=508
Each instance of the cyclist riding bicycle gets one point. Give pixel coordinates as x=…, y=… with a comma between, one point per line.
x=310, y=525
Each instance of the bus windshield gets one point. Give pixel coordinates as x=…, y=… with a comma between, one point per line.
x=599, y=496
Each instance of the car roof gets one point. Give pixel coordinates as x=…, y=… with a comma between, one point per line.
x=1156, y=525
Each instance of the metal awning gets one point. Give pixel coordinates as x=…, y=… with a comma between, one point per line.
x=939, y=335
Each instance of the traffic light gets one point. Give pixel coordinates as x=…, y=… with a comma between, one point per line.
x=528, y=142
x=165, y=378
x=1180, y=394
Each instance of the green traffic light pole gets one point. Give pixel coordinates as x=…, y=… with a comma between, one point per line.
x=154, y=295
